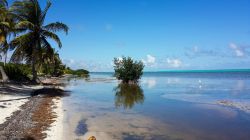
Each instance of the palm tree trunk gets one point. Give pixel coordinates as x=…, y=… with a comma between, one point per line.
x=6, y=46
x=5, y=78
x=5, y=59
x=34, y=71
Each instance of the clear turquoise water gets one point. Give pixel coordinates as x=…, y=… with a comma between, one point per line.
x=168, y=106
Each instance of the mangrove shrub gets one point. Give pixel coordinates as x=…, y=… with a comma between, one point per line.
x=128, y=70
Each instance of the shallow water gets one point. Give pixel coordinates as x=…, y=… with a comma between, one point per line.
x=176, y=106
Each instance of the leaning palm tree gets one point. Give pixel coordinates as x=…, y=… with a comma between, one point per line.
x=28, y=46
x=6, y=28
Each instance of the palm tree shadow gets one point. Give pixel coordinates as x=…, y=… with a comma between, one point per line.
x=128, y=95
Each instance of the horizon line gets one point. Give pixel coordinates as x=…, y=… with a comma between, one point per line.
x=195, y=70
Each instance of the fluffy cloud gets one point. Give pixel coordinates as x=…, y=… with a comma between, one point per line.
x=76, y=64
x=150, y=60
x=174, y=63
x=198, y=52
x=88, y=65
x=238, y=51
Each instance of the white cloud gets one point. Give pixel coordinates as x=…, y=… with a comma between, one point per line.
x=88, y=65
x=112, y=62
x=238, y=51
x=196, y=51
x=150, y=60
x=119, y=58
x=74, y=64
x=174, y=63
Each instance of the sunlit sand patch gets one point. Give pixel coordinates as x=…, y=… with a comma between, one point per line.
x=11, y=106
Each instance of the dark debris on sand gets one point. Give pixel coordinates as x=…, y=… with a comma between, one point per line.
x=34, y=117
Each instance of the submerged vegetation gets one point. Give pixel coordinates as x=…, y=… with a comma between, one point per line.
x=128, y=70
x=23, y=31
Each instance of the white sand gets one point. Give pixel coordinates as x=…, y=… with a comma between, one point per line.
x=55, y=132
x=11, y=92
x=10, y=106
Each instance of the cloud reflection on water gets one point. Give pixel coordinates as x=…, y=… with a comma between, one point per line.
x=149, y=82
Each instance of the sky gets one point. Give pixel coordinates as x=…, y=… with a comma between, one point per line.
x=164, y=34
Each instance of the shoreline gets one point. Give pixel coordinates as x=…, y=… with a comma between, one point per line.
x=56, y=128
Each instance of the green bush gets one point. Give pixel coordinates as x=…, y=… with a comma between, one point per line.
x=128, y=70
x=17, y=72
x=79, y=72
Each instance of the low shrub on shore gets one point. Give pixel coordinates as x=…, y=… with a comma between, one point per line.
x=79, y=72
x=16, y=72
x=23, y=72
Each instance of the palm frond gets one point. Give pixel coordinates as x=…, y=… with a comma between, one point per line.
x=44, y=12
x=26, y=40
x=27, y=10
x=4, y=25
x=25, y=25
x=3, y=3
x=57, y=26
x=53, y=36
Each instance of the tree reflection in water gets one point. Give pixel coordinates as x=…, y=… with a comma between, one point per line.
x=127, y=95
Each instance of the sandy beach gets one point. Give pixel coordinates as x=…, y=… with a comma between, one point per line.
x=26, y=116
x=12, y=97
x=11, y=106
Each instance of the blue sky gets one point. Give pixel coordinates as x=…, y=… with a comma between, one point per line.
x=164, y=34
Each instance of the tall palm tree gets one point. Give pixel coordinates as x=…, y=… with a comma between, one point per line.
x=31, y=17
x=6, y=28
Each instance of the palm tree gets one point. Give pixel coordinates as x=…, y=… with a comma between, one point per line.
x=6, y=28
x=31, y=17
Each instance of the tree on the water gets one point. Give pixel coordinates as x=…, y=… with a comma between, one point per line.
x=128, y=70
